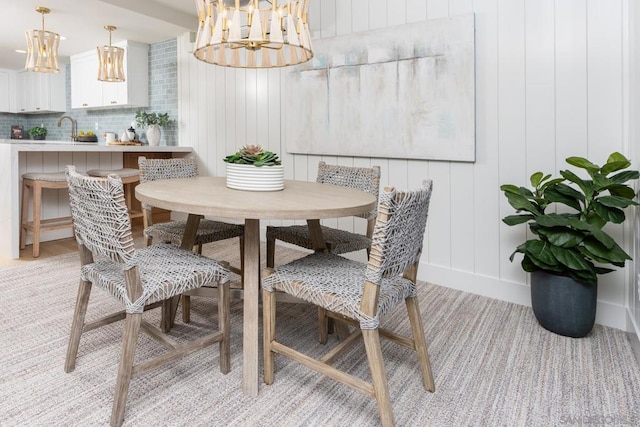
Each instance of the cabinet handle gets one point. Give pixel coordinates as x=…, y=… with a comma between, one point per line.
x=37, y=108
x=114, y=102
x=84, y=105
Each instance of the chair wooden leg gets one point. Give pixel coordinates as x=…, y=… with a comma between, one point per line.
x=241, y=244
x=82, y=301
x=224, y=298
x=380, y=386
x=24, y=215
x=323, y=325
x=269, y=333
x=186, y=308
x=271, y=252
x=421, y=343
x=342, y=329
x=37, y=213
x=129, y=342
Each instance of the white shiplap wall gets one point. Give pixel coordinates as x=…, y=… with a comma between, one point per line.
x=551, y=79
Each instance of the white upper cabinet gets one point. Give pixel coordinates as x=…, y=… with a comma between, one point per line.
x=5, y=92
x=88, y=92
x=86, y=89
x=40, y=92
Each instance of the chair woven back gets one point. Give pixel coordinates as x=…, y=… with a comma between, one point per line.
x=399, y=231
x=365, y=179
x=155, y=169
x=100, y=215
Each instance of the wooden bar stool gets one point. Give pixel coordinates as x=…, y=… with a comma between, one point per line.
x=35, y=182
x=130, y=177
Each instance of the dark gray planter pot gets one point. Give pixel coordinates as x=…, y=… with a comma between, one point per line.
x=562, y=305
x=39, y=137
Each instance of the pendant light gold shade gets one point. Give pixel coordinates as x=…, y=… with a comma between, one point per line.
x=253, y=33
x=42, y=48
x=110, y=61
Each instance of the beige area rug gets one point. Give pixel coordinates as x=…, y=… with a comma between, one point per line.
x=493, y=366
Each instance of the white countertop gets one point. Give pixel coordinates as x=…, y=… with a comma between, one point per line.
x=55, y=145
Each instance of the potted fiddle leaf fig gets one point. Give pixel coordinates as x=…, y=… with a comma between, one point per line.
x=253, y=168
x=569, y=247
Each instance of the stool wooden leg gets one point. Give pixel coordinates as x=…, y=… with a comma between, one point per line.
x=24, y=214
x=37, y=213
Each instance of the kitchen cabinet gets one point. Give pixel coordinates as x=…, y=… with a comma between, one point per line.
x=5, y=92
x=86, y=89
x=40, y=92
x=88, y=92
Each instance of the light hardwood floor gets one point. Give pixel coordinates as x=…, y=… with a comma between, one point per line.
x=53, y=248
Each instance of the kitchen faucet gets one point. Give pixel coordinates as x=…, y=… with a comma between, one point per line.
x=74, y=124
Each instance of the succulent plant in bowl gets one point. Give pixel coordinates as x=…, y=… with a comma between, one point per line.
x=253, y=155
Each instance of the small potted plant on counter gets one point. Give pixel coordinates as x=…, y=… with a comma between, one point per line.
x=38, y=133
x=255, y=169
x=570, y=247
x=153, y=122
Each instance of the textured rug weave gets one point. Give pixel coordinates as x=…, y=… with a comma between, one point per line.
x=493, y=366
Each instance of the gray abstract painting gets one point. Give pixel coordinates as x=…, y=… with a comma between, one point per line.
x=397, y=92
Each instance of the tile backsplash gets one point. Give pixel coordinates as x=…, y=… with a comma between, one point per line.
x=163, y=97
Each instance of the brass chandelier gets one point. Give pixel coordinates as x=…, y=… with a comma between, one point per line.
x=110, y=61
x=42, y=48
x=246, y=35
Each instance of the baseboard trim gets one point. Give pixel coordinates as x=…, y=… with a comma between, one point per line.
x=607, y=313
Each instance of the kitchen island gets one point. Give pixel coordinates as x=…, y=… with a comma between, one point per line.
x=20, y=156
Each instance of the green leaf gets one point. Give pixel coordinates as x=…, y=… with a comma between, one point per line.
x=550, y=184
x=539, y=253
x=553, y=220
x=596, y=232
x=564, y=237
x=625, y=176
x=614, y=166
x=615, y=201
x=622, y=191
x=517, y=219
x=588, y=277
x=520, y=203
x=570, y=258
x=613, y=254
x=607, y=213
x=582, y=163
x=509, y=188
x=535, y=179
x=562, y=193
x=585, y=186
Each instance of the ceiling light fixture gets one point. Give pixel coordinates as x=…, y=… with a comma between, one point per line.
x=42, y=48
x=110, y=61
x=246, y=35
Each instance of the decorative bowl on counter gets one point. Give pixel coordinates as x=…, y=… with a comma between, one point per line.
x=87, y=138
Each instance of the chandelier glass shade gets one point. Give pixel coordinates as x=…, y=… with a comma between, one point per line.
x=42, y=48
x=253, y=34
x=110, y=61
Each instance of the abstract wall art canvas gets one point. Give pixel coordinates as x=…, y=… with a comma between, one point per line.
x=397, y=92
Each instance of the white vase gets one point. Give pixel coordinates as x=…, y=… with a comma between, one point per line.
x=153, y=135
x=255, y=178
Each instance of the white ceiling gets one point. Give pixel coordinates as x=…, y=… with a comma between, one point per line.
x=82, y=23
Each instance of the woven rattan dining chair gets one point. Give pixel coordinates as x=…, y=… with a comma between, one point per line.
x=140, y=279
x=208, y=231
x=360, y=294
x=337, y=241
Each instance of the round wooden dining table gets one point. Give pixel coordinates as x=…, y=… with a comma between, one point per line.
x=299, y=200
